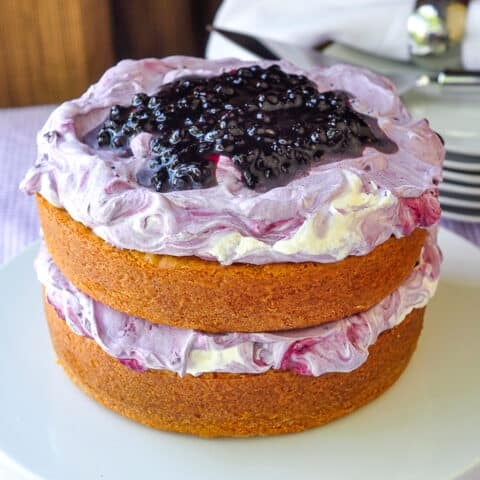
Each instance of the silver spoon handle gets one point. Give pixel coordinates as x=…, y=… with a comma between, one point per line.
x=459, y=77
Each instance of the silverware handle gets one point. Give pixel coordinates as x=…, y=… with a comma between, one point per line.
x=459, y=77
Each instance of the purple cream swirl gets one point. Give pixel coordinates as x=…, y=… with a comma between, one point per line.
x=338, y=209
x=339, y=346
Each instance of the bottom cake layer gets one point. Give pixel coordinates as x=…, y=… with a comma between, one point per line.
x=225, y=404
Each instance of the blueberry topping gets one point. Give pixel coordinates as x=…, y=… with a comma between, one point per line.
x=273, y=125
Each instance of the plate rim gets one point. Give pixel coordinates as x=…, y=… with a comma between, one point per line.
x=462, y=217
x=455, y=188
x=462, y=177
x=461, y=166
x=459, y=202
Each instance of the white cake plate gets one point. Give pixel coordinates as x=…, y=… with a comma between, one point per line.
x=427, y=426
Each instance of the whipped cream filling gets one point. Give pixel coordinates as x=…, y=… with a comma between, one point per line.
x=339, y=346
x=339, y=209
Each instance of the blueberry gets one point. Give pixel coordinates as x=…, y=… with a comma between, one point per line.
x=103, y=137
x=153, y=102
x=140, y=99
x=119, y=141
x=271, y=123
x=116, y=113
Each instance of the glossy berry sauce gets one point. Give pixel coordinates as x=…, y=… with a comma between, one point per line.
x=273, y=125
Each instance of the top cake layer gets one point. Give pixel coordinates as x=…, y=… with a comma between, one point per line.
x=337, y=207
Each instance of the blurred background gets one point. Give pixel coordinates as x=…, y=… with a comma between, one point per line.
x=52, y=50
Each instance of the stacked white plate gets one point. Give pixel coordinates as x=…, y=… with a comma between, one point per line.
x=460, y=189
x=453, y=113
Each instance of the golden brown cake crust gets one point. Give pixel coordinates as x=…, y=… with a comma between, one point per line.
x=226, y=404
x=188, y=292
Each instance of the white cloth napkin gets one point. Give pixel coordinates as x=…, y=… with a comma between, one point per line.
x=376, y=26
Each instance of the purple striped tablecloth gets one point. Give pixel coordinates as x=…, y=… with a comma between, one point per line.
x=18, y=219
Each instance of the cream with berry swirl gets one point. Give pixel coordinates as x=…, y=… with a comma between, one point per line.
x=339, y=346
x=338, y=209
